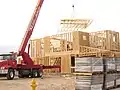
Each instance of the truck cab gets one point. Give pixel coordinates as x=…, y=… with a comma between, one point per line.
x=7, y=65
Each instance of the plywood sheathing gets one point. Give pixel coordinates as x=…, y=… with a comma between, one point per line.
x=36, y=48
x=33, y=48
x=66, y=64
x=80, y=39
x=46, y=45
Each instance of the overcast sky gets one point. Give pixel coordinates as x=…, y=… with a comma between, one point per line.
x=15, y=16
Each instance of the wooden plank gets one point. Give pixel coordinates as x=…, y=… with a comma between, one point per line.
x=38, y=49
x=66, y=64
x=75, y=41
x=86, y=74
x=33, y=48
x=46, y=45
x=117, y=54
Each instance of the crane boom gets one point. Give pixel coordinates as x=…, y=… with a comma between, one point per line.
x=26, y=67
x=30, y=28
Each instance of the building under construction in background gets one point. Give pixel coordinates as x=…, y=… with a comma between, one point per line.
x=73, y=42
x=94, y=57
x=80, y=52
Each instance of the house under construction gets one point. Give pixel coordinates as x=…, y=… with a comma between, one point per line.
x=72, y=41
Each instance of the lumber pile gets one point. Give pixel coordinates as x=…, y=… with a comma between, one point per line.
x=89, y=82
x=90, y=70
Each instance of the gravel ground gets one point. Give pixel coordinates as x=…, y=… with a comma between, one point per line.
x=47, y=83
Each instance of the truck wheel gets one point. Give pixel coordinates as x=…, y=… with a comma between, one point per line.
x=34, y=73
x=10, y=74
x=20, y=75
x=40, y=74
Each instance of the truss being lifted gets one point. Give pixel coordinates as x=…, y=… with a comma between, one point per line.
x=69, y=25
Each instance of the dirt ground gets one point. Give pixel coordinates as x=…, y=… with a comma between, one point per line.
x=47, y=83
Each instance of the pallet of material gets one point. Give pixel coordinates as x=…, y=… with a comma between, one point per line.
x=110, y=64
x=94, y=64
x=96, y=82
x=117, y=79
x=117, y=63
x=110, y=80
x=89, y=82
x=93, y=67
x=88, y=64
x=113, y=83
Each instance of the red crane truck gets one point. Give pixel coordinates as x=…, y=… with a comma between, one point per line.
x=8, y=62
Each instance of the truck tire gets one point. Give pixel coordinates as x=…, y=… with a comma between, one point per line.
x=20, y=75
x=34, y=73
x=40, y=74
x=10, y=74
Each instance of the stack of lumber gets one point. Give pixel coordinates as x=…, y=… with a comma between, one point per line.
x=88, y=64
x=90, y=70
x=89, y=82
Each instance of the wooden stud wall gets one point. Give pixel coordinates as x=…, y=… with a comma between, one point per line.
x=59, y=43
x=48, y=61
x=55, y=52
x=105, y=40
x=36, y=48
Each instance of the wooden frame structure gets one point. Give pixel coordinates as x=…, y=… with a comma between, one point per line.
x=61, y=49
x=105, y=39
x=69, y=25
